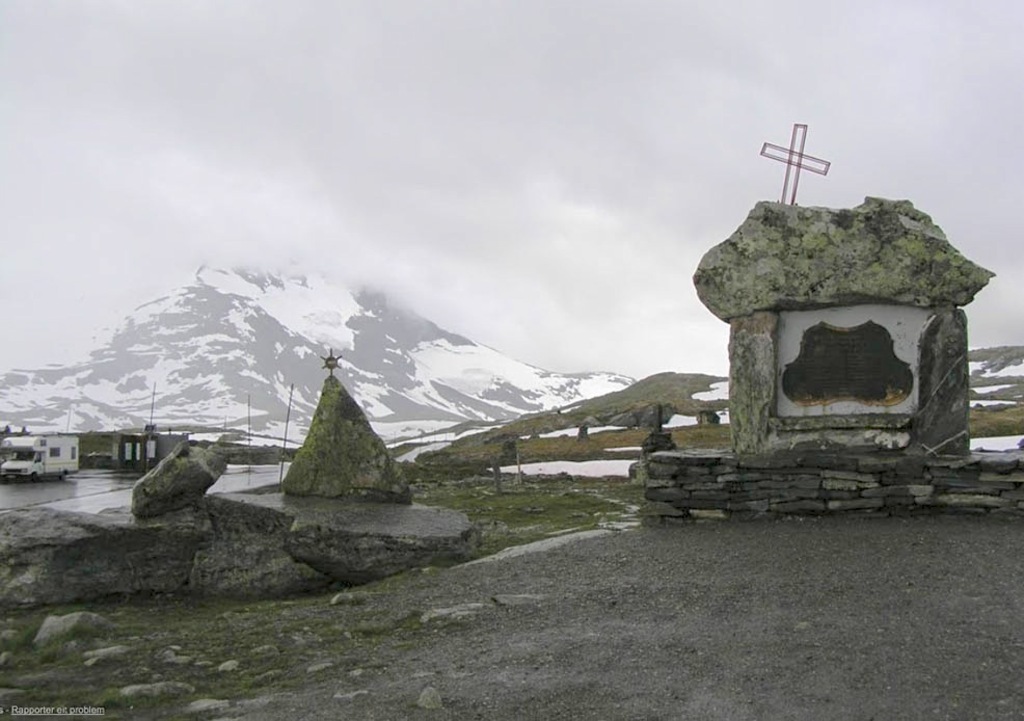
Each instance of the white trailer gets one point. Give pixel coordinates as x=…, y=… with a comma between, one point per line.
x=34, y=457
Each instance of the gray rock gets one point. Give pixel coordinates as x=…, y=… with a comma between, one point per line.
x=318, y=667
x=463, y=610
x=752, y=381
x=179, y=481
x=8, y=694
x=517, y=599
x=624, y=420
x=57, y=627
x=653, y=416
x=228, y=666
x=248, y=545
x=157, y=690
x=785, y=257
x=5, y=658
x=245, y=557
x=49, y=556
x=362, y=542
x=658, y=441
x=100, y=654
x=351, y=695
x=205, y=705
x=342, y=456
x=430, y=699
x=940, y=425
x=348, y=598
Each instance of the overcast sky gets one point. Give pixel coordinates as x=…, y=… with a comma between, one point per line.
x=541, y=176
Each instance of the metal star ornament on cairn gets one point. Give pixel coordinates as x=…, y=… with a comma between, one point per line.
x=330, y=361
x=794, y=157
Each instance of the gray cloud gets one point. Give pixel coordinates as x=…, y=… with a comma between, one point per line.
x=542, y=176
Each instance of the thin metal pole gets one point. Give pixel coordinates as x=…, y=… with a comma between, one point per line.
x=152, y=404
x=284, y=442
x=248, y=434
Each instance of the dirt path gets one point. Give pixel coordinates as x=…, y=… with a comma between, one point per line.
x=799, y=619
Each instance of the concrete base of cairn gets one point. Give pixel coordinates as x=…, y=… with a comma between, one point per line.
x=712, y=484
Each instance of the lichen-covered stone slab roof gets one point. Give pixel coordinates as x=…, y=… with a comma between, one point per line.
x=786, y=257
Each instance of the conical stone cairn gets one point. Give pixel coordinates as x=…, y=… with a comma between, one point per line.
x=342, y=457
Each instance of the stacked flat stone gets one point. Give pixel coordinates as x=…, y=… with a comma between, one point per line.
x=704, y=484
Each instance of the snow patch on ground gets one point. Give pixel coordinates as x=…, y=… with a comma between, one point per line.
x=591, y=469
x=997, y=443
x=991, y=389
x=679, y=421
x=393, y=431
x=1014, y=370
x=415, y=452
x=719, y=392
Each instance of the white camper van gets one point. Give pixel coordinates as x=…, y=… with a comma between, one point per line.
x=32, y=457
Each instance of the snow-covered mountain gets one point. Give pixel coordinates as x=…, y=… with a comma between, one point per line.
x=235, y=340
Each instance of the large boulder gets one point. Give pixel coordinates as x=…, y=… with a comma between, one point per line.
x=362, y=542
x=49, y=556
x=342, y=457
x=79, y=622
x=179, y=481
x=238, y=545
x=245, y=557
x=785, y=257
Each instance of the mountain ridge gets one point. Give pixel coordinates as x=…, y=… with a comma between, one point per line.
x=230, y=344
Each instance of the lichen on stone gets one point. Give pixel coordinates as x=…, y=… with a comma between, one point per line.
x=342, y=456
x=786, y=257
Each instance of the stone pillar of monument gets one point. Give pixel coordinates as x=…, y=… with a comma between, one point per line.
x=846, y=329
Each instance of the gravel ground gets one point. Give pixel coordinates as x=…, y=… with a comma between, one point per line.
x=799, y=619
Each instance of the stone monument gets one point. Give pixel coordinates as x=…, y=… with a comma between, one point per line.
x=848, y=377
x=342, y=456
x=846, y=329
x=345, y=517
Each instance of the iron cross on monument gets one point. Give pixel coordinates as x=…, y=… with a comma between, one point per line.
x=794, y=157
x=330, y=361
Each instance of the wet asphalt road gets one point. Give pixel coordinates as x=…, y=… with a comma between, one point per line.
x=92, y=491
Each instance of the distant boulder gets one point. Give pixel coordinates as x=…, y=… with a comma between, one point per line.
x=708, y=418
x=658, y=441
x=70, y=624
x=624, y=420
x=654, y=415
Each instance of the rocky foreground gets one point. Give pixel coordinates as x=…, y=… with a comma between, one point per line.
x=812, y=619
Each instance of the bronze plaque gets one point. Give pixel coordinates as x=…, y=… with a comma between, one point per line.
x=847, y=364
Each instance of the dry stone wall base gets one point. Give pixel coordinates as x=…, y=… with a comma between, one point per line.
x=681, y=485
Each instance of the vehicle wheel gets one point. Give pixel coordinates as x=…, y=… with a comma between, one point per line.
x=33, y=477
x=63, y=475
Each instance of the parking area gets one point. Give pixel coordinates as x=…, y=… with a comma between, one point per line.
x=94, y=490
